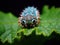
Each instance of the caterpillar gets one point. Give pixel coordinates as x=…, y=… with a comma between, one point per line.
x=30, y=17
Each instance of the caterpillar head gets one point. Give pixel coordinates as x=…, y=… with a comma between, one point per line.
x=29, y=21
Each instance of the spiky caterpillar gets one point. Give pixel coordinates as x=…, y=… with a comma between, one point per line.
x=30, y=17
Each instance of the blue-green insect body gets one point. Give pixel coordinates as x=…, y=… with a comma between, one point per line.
x=29, y=17
x=29, y=11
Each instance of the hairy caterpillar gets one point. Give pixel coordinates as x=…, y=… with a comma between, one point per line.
x=30, y=17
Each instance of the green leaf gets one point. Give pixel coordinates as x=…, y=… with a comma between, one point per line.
x=50, y=21
x=8, y=27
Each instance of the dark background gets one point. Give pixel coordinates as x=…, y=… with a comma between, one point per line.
x=16, y=7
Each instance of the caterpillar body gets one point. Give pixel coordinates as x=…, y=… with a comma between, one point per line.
x=30, y=17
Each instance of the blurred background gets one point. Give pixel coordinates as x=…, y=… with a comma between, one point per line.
x=17, y=6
